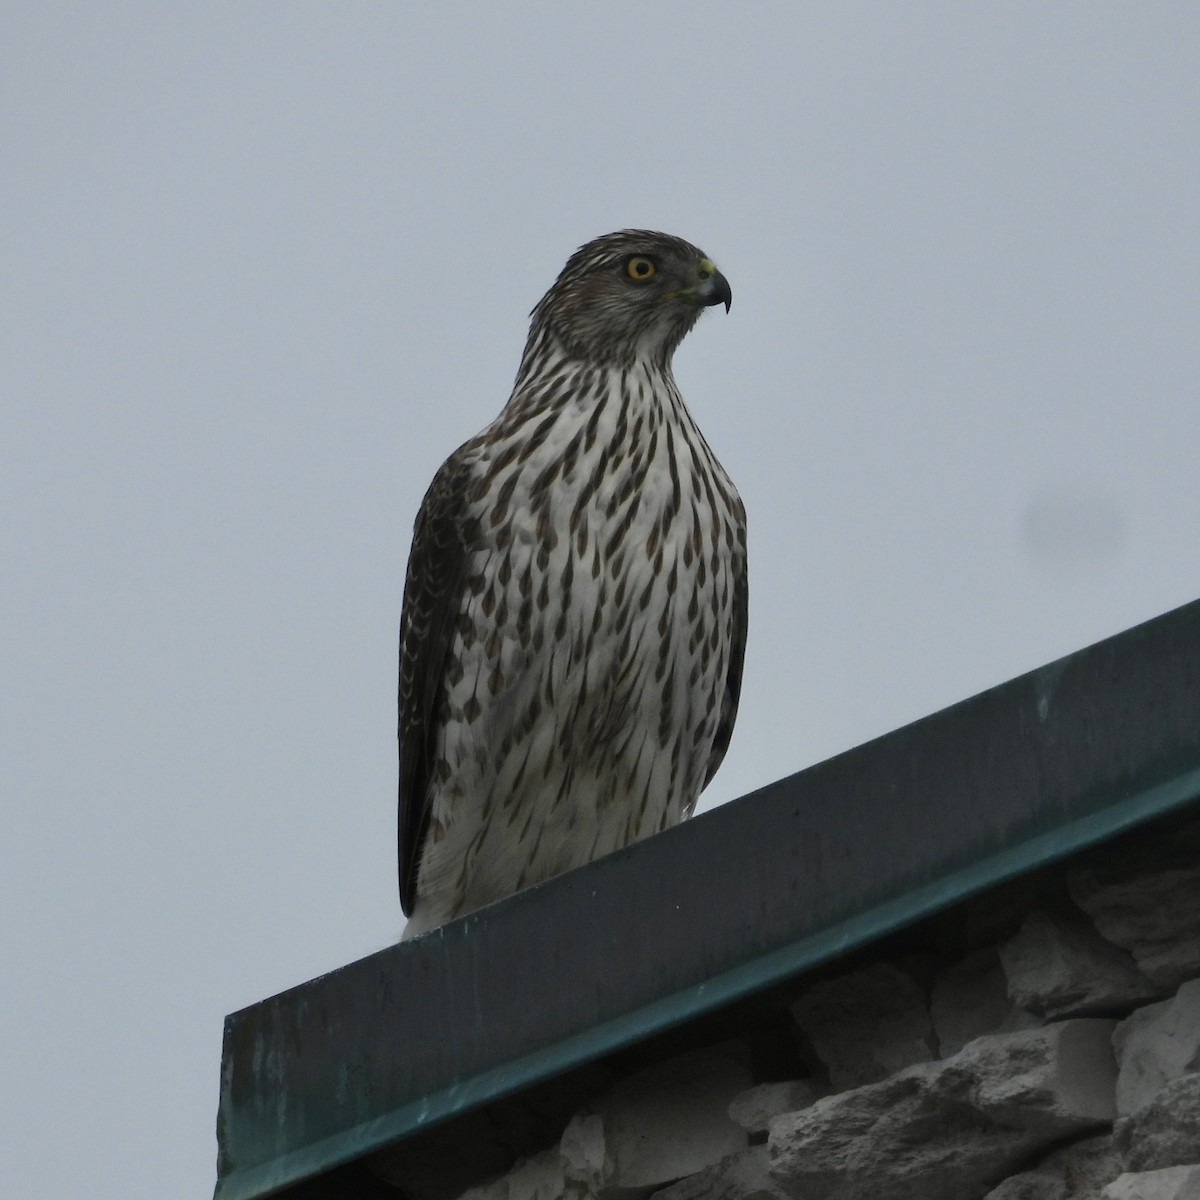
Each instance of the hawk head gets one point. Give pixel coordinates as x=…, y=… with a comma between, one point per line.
x=629, y=295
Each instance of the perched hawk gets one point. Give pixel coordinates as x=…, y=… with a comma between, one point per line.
x=575, y=608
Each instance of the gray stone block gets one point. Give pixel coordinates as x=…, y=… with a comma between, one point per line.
x=1165, y=1131
x=1146, y=901
x=970, y=999
x=666, y=1122
x=947, y=1130
x=867, y=1024
x=746, y=1176
x=753, y=1109
x=1172, y=1183
x=539, y=1178
x=1075, y=1172
x=1156, y=1044
x=1058, y=965
x=1030, y=1185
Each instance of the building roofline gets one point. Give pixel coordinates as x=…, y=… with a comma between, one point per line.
x=721, y=907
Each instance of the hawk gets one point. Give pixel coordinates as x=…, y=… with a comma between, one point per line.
x=574, y=614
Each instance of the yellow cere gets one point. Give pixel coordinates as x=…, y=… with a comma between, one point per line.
x=706, y=269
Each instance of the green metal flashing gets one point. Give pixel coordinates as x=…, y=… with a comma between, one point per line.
x=1019, y=777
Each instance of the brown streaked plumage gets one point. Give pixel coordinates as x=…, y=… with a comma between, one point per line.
x=574, y=615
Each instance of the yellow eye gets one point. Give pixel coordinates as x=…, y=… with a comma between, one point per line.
x=640, y=269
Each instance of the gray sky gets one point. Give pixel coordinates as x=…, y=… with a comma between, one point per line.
x=265, y=265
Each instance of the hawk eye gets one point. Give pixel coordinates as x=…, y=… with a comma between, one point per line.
x=640, y=269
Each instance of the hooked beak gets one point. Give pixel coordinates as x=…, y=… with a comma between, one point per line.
x=714, y=289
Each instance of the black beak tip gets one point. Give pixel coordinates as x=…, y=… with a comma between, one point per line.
x=720, y=292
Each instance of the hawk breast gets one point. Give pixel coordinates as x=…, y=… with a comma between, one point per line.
x=592, y=641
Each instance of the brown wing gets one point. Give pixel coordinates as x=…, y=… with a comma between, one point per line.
x=737, y=654
x=433, y=592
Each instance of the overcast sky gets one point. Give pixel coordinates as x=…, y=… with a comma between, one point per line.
x=263, y=266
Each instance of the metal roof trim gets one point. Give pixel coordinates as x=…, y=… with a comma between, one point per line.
x=1140, y=686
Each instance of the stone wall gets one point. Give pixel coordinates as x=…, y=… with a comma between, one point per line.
x=1038, y=1043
